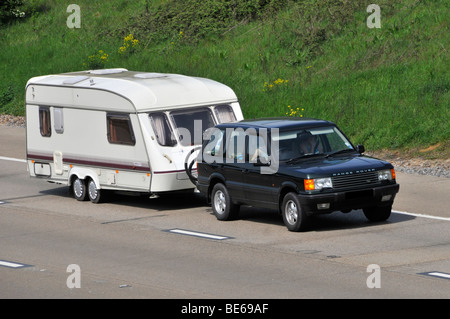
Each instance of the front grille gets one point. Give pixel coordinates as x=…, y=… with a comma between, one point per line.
x=355, y=180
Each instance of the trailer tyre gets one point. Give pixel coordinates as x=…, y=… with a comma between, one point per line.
x=94, y=193
x=79, y=189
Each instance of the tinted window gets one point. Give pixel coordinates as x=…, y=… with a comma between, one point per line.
x=44, y=121
x=120, y=130
x=323, y=140
x=257, y=149
x=213, y=146
x=235, y=147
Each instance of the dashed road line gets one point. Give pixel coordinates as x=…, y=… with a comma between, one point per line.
x=10, y=264
x=436, y=274
x=197, y=234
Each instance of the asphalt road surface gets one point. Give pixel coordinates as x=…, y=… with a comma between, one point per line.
x=52, y=246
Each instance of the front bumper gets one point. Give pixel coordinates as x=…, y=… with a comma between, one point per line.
x=322, y=203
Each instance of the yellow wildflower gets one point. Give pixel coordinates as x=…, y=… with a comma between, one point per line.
x=128, y=41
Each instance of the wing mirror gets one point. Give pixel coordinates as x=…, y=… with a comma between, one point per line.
x=360, y=148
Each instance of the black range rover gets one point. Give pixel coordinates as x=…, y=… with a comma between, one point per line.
x=299, y=166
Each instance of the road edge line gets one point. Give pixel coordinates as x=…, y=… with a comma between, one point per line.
x=12, y=159
x=422, y=215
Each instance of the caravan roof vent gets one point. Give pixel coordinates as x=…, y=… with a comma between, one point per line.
x=75, y=80
x=150, y=75
x=107, y=71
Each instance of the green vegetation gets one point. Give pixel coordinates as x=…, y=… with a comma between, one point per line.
x=387, y=88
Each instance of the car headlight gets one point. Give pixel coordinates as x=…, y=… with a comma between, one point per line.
x=318, y=183
x=386, y=175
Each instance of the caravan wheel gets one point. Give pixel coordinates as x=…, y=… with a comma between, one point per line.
x=93, y=192
x=79, y=189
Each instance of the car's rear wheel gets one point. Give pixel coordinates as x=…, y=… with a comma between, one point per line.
x=222, y=205
x=293, y=215
x=378, y=213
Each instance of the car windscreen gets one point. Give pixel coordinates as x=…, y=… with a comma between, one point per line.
x=306, y=142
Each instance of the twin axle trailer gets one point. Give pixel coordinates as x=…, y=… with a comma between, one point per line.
x=119, y=130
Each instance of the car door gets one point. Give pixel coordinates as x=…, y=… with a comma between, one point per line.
x=234, y=163
x=259, y=187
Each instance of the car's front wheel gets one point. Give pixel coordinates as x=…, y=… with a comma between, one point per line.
x=293, y=215
x=222, y=205
x=378, y=214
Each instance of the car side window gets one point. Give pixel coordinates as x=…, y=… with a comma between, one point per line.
x=235, y=147
x=215, y=143
x=257, y=149
x=213, y=150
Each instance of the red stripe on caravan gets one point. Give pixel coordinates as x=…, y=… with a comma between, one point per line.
x=168, y=172
x=86, y=162
x=39, y=157
x=171, y=172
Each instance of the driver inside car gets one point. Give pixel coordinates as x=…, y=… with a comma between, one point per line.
x=308, y=144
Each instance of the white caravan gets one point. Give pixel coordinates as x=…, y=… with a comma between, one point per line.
x=120, y=130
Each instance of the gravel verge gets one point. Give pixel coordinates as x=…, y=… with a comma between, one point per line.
x=437, y=167
x=11, y=120
x=419, y=166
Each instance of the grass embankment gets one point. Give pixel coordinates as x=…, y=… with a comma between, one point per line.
x=387, y=88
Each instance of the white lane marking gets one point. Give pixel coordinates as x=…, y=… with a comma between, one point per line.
x=10, y=264
x=422, y=215
x=197, y=234
x=438, y=274
x=12, y=159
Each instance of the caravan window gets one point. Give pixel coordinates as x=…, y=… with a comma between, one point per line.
x=190, y=125
x=162, y=129
x=225, y=114
x=120, y=130
x=58, y=119
x=44, y=121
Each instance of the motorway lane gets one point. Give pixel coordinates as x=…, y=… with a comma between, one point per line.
x=125, y=242
x=125, y=251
